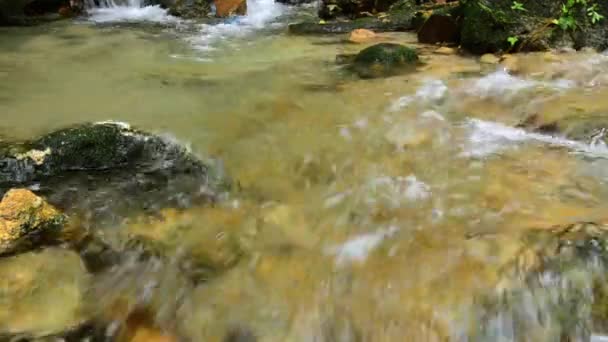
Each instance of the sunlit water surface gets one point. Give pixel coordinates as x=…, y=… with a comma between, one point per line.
x=358, y=198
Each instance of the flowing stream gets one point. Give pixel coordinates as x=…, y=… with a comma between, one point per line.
x=392, y=209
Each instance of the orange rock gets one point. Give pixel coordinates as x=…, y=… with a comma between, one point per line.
x=226, y=8
x=139, y=327
x=361, y=36
x=66, y=12
x=24, y=215
x=146, y=334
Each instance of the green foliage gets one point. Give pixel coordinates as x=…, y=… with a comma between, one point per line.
x=518, y=6
x=512, y=40
x=567, y=21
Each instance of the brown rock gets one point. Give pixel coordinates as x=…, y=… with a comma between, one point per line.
x=439, y=28
x=25, y=217
x=226, y=8
x=361, y=36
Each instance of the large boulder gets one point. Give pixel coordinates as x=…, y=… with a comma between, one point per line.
x=109, y=170
x=439, y=28
x=384, y=59
x=25, y=218
x=491, y=26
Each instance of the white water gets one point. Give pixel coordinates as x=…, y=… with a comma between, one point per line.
x=126, y=11
x=486, y=138
x=260, y=13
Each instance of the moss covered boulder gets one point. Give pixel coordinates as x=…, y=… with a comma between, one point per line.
x=108, y=170
x=24, y=219
x=499, y=25
x=384, y=59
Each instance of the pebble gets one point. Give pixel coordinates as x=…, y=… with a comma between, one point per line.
x=489, y=58
x=361, y=36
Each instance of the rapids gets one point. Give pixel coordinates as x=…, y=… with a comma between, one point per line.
x=366, y=210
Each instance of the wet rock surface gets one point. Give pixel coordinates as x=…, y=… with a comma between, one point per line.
x=487, y=25
x=123, y=170
x=384, y=59
x=25, y=219
x=189, y=9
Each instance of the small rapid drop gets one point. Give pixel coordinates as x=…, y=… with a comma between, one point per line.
x=107, y=11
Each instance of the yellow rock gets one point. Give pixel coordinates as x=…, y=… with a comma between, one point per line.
x=510, y=62
x=22, y=215
x=488, y=58
x=444, y=50
x=361, y=36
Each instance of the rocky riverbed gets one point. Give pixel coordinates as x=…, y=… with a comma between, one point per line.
x=307, y=172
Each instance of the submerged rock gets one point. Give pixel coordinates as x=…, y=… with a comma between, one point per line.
x=560, y=271
x=108, y=170
x=41, y=293
x=384, y=59
x=25, y=218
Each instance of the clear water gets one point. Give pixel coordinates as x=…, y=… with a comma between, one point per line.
x=358, y=196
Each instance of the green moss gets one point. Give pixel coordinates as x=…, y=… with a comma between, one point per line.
x=384, y=59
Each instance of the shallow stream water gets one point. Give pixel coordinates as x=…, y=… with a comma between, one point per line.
x=367, y=210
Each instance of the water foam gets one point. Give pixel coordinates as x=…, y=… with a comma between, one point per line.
x=486, y=138
x=501, y=84
x=358, y=248
x=107, y=11
x=260, y=13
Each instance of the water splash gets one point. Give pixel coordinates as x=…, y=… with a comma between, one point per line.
x=260, y=14
x=106, y=11
x=486, y=138
x=502, y=85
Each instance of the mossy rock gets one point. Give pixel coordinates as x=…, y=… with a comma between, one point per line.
x=488, y=24
x=384, y=59
x=110, y=170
